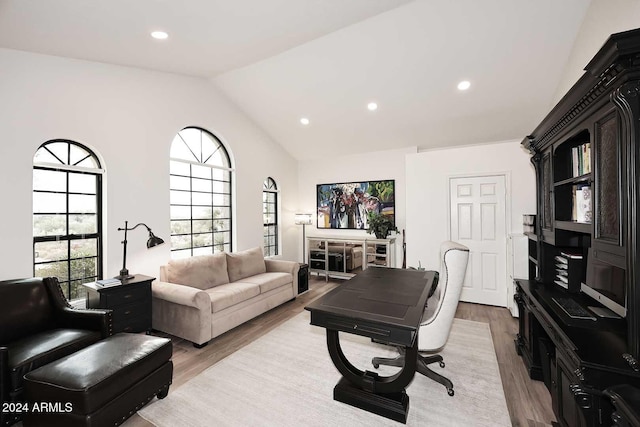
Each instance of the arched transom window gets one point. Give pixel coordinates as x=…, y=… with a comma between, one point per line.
x=200, y=194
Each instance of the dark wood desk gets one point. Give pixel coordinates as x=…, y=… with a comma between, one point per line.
x=385, y=304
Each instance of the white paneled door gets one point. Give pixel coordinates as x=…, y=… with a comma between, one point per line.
x=478, y=221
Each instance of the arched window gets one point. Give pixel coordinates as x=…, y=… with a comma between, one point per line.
x=200, y=186
x=270, y=217
x=67, y=215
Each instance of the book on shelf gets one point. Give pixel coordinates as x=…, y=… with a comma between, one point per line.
x=581, y=159
x=581, y=204
x=586, y=155
x=105, y=283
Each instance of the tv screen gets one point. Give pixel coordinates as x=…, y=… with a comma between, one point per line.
x=606, y=284
x=346, y=205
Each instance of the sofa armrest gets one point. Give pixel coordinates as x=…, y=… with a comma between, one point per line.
x=282, y=266
x=69, y=317
x=182, y=311
x=95, y=319
x=181, y=294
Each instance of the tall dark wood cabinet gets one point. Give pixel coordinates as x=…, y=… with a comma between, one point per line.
x=586, y=153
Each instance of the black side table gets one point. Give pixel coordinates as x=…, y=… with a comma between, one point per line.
x=130, y=302
x=303, y=278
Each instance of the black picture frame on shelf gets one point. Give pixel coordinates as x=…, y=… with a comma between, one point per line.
x=346, y=205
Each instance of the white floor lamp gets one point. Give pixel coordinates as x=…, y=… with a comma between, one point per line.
x=303, y=219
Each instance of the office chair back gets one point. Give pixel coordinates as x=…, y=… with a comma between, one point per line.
x=441, y=307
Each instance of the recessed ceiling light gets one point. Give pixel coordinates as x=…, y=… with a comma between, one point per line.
x=464, y=85
x=304, y=121
x=159, y=35
x=372, y=106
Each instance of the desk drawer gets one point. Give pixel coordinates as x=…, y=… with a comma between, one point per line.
x=127, y=295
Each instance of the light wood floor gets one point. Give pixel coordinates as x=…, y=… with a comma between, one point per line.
x=528, y=401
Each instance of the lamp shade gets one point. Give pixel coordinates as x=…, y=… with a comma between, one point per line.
x=303, y=219
x=153, y=240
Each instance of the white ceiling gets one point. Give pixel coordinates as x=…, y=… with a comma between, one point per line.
x=280, y=60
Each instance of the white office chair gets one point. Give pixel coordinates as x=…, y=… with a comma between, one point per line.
x=438, y=315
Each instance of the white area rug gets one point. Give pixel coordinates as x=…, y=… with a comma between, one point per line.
x=286, y=378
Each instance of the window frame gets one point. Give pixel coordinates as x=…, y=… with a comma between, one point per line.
x=199, y=161
x=269, y=187
x=68, y=169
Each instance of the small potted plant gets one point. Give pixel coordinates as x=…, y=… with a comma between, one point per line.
x=380, y=225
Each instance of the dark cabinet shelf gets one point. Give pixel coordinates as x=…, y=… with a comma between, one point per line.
x=586, y=178
x=579, y=227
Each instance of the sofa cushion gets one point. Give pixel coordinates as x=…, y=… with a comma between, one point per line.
x=225, y=296
x=245, y=263
x=39, y=349
x=269, y=281
x=202, y=272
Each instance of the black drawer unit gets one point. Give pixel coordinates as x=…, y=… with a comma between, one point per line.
x=336, y=261
x=130, y=302
x=303, y=278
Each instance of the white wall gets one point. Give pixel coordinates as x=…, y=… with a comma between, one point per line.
x=129, y=116
x=377, y=165
x=603, y=18
x=428, y=176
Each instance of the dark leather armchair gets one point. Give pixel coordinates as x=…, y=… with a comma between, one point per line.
x=38, y=326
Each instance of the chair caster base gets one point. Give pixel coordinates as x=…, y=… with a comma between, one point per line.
x=450, y=392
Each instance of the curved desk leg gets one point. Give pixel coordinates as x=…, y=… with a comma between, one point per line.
x=367, y=390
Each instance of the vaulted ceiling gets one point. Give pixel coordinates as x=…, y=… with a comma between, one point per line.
x=281, y=60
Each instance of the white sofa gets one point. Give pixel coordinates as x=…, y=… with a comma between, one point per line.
x=201, y=297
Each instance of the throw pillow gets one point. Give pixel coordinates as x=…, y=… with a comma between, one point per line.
x=245, y=263
x=202, y=272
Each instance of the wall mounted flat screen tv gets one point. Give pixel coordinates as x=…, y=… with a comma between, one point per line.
x=345, y=205
x=606, y=284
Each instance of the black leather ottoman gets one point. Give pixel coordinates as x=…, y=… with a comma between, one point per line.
x=101, y=385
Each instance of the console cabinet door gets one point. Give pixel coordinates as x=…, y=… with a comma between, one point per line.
x=565, y=406
x=608, y=239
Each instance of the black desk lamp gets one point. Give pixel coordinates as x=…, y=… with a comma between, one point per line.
x=153, y=241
